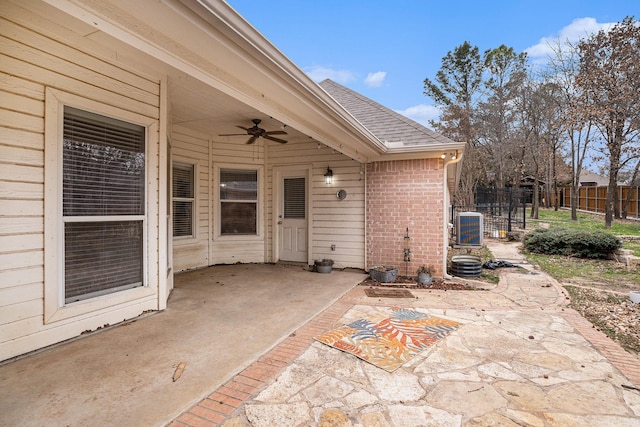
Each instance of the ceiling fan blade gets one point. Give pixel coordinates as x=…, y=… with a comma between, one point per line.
x=243, y=128
x=275, y=132
x=281, y=141
x=252, y=140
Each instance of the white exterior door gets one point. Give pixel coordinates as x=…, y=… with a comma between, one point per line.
x=292, y=218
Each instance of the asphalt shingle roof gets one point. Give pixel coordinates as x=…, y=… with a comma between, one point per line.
x=391, y=128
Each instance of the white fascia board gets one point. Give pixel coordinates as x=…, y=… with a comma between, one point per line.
x=421, y=151
x=297, y=81
x=209, y=41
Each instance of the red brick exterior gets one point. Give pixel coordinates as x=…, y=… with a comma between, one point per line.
x=401, y=194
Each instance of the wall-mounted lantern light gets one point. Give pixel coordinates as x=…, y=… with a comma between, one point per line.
x=328, y=177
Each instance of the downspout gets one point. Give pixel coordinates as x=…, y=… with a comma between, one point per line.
x=366, y=224
x=445, y=209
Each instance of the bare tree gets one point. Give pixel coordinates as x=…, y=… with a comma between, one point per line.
x=539, y=116
x=549, y=131
x=609, y=79
x=574, y=123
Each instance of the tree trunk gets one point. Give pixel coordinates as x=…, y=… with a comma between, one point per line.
x=612, y=207
x=554, y=181
x=627, y=201
x=574, y=202
x=536, y=200
x=609, y=203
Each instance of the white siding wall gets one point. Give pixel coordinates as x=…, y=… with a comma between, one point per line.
x=235, y=153
x=334, y=222
x=208, y=247
x=36, y=53
x=193, y=148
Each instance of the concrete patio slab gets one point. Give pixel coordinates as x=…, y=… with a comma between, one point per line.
x=218, y=321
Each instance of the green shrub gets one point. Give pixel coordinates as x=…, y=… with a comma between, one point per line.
x=583, y=244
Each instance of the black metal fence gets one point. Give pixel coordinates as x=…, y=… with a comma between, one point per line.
x=503, y=210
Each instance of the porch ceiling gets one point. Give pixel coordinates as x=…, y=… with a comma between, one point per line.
x=204, y=109
x=221, y=72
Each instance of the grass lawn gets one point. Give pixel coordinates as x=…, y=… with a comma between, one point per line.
x=598, y=289
x=588, y=271
x=612, y=275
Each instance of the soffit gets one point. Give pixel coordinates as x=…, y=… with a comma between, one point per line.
x=221, y=71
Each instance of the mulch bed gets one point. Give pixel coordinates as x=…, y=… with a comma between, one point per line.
x=411, y=283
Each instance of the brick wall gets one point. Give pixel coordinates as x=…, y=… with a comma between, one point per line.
x=401, y=194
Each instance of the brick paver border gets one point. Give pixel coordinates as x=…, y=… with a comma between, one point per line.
x=626, y=363
x=214, y=410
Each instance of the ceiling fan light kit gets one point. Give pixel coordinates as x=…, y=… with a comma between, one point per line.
x=256, y=132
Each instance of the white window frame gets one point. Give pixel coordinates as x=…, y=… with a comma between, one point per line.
x=194, y=211
x=259, y=205
x=55, y=307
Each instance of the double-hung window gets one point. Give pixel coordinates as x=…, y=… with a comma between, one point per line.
x=238, y=202
x=183, y=199
x=103, y=204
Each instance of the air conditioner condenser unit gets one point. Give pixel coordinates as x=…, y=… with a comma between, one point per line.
x=469, y=229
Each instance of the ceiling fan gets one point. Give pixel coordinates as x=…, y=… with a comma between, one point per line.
x=256, y=132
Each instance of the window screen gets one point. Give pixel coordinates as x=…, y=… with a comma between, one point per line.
x=103, y=163
x=183, y=199
x=238, y=201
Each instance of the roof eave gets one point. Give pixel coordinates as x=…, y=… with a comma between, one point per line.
x=211, y=42
x=422, y=151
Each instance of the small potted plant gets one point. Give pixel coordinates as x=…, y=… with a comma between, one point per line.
x=425, y=274
x=323, y=265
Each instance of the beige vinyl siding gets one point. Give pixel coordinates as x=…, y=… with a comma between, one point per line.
x=36, y=54
x=233, y=152
x=333, y=221
x=193, y=148
x=209, y=154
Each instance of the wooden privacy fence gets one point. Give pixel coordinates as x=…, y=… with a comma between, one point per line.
x=593, y=199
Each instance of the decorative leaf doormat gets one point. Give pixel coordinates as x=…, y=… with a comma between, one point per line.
x=386, y=337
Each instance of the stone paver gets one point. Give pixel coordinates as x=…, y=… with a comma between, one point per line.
x=520, y=358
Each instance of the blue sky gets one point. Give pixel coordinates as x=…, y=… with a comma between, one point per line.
x=385, y=49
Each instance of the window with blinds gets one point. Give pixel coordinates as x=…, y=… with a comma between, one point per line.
x=238, y=202
x=183, y=200
x=294, y=198
x=103, y=204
